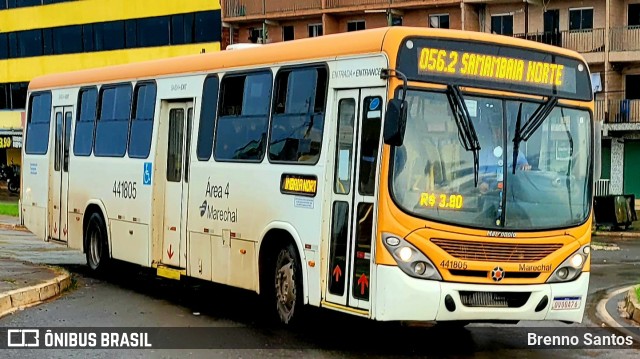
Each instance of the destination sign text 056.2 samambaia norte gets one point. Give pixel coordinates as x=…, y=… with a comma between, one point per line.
x=494, y=66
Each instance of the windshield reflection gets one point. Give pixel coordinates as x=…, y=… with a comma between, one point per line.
x=433, y=174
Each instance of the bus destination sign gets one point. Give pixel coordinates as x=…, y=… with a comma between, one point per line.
x=495, y=66
x=305, y=185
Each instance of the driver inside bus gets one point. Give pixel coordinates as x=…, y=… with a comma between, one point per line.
x=492, y=154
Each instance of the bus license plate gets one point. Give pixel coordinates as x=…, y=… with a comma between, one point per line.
x=567, y=303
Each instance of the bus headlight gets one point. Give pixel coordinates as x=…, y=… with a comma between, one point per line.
x=409, y=258
x=571, y=268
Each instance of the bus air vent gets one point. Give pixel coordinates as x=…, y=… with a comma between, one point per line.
x=496, y=252
x=494, y=299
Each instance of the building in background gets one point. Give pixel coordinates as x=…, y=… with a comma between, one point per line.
x=46, y=36
x=606, y=32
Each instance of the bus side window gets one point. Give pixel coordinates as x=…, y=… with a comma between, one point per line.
x=346, y=119
x=298, y=115
x=370, y=139
x=142, y=121
x=207, y=118
x=113, y=121
x=243, y=121
x=85, y=124
x=37, y=141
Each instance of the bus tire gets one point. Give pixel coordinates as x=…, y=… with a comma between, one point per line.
x=287, y=292
x=97, y=249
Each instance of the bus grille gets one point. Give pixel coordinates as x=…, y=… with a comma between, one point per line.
x=496, y=252
x=494, y=299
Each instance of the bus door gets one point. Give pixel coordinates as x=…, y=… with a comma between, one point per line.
x=359, y=115
x=59, y=181
x=177, y=182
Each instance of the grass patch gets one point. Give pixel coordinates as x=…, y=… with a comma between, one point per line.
x=638, y=293
x=9, y=209
x=12, y=281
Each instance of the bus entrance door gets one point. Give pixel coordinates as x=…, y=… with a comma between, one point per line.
x=59, y=181
x=177, y=182
x=359, y=115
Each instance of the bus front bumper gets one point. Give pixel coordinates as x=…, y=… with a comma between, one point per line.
x=400, y=297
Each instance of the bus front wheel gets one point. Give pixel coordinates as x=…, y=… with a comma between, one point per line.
x=288, y=284
x=97, y=251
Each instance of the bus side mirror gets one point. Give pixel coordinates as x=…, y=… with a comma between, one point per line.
x=395, y=122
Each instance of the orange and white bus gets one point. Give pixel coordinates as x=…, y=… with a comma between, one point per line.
x=399, y=174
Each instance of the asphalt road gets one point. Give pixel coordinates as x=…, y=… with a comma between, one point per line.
x=135, y=297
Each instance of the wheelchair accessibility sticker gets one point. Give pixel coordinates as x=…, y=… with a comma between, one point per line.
x=146, y=175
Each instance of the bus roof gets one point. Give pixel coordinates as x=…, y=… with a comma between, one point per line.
x=322, y=47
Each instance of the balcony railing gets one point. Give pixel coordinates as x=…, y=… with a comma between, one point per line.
x=625, y=38
x=621, y=110
x=589, y=40
x=332, y=4
x=599, y=110
x=238, y=8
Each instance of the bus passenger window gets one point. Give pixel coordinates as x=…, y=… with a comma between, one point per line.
x=207, y=118
x=346, y=119
x=37, y=140
x=370, y=139
x=85, y=124
x=241, y=131
x=113, y=121
x=174, y=148
x=298, y=120
x=142, y=121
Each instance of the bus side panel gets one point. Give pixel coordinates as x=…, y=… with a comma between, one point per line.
x=35, y=185
x=35, y=193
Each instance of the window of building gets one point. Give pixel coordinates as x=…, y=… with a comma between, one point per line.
x=298, y=115
x=131, y=33
x=4, y=46
x=256, y=35
x=207, y=118
x=581, y=19
x=37, y=140
x=207, y=26
x=112, y=126
x=439, y=21
x=315, y=30
x=5, y=99
x=182, y=27
x=287, y=33
x=66, y=40
x=19, y=95
x=396, y=20
x=13, y=96
x=113, y=35
x=355, y=25
x=85, y=125
x=243, y=119
x=633, y=15
x=502, y=24
x=144, y=106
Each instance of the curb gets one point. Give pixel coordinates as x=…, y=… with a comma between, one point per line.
x=616, y=234
x=632, y=307
x=21, y=298
x=607, y=319
x=13, y=227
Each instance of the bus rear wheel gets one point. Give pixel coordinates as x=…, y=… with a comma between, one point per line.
x=97, y=251
x=288, y=285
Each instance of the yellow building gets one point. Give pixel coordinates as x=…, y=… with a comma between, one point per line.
x=46, y=36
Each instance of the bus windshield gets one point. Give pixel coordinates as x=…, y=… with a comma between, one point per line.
x=548, y=186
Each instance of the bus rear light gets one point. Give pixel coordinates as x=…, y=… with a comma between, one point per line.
x=409, y=258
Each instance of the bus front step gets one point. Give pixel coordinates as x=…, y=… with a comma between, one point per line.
x=170, y=272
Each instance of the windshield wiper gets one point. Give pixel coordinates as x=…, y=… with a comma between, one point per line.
x=516, y=138
x=466, y=132
x=530, y=127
